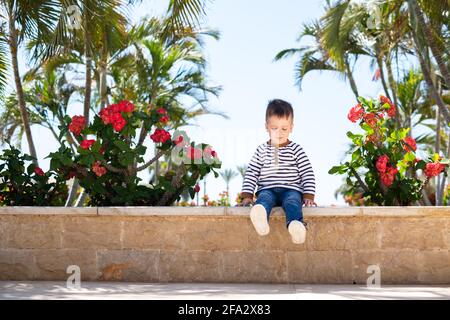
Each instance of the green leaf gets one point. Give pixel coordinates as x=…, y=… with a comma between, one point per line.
x=409, y=157
x=356, y=155
x=334, y=170
x=141, y=150
x=122, y=145
x=30, y=169
x=67, y=161
x=126, y=159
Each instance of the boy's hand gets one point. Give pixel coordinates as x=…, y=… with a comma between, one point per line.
x=309, y=203
x=246, y=202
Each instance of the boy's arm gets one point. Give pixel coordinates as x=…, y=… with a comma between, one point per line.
x=252, y=175
x=307, y=175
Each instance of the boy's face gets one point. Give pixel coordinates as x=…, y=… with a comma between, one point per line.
x=279, y=129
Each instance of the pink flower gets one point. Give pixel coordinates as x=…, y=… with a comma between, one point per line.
x=388, y=177
x=382, y=163
x=86, y=144
x=355, y=113
x=98, y=169
x=370, y=119
x=164, y=119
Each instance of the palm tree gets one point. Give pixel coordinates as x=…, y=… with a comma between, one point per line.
x=228, y=175
x=422, y=52
x=242, y=169
x=25, y=20
x=315, y=57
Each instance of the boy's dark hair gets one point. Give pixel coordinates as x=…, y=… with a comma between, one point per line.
x=279, y=108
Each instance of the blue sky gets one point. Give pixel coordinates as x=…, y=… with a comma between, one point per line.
x=252, y=32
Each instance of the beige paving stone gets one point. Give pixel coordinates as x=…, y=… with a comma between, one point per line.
x=319, y=267
x=414, y=233
x=254, y=266
x=154, y=233
x=395, y=266
x=16, y=264
x=92, y=233
x=32, y=232
x=52, y=264
x=189, y=266
x=129, y=265
x=212, y=233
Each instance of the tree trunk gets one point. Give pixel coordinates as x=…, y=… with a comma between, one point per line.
x=382, y=76
x=437, y=147
x=13, y=47
x=393, y=86
x=351, y=79
x=156, y=166
x=429, y=38
x=103, y=71
x=88, y=54
x=426, y=71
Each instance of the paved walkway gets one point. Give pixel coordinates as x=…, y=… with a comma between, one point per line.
x=201, y=291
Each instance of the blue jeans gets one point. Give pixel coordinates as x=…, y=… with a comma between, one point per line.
x=291, y=201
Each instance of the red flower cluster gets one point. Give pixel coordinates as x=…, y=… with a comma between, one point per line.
x=355, y=113
x=113, y=114
x=39, y=171
x=370, y=119
x=196, y=188
x=98, y=169
x=410, y=144
x=164, y=117
x=391, y=111
x=160, y=135
x=86, y=144
x=126, y=106
x=387, y=172
x=77, y=125
x=388, y=177
x=434, y=169
x=382, y=163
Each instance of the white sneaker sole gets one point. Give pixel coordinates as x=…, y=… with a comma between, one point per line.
x=258, y=216
x=297, y=231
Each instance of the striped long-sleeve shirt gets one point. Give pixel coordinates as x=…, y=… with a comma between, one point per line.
x=285, y=166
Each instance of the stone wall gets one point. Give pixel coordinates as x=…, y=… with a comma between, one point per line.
x=189, y=244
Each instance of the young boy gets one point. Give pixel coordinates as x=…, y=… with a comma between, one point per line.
x=282, y=173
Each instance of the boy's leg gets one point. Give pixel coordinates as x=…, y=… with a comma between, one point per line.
x=292, y=203
x=259, y=214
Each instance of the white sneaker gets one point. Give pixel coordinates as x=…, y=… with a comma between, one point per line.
x=258, y=215
x=297, y=231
